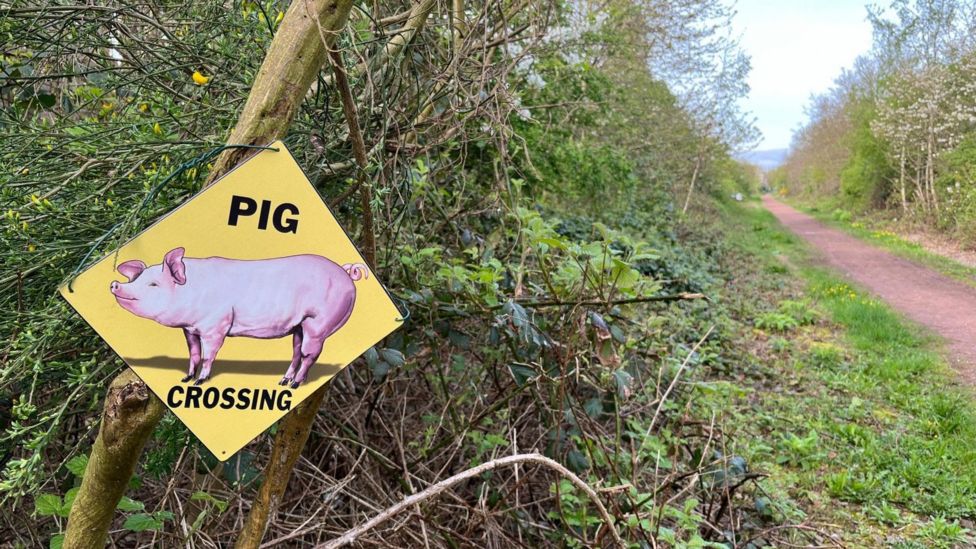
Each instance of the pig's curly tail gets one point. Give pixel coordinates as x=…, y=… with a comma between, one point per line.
x=356, y=270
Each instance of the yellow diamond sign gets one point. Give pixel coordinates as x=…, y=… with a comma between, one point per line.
x=240, y=303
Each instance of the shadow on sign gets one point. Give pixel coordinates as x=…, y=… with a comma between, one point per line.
x=271, y=368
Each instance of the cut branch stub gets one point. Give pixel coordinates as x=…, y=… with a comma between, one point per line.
x=131, y=412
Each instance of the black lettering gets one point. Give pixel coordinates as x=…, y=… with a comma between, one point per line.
x=243, y=399
x=289, y=225
x=170, y=401
x=193, y=397
x=209, y=402
x=284, y=400
x=241, y=205
x=267, y=400
x=227, y=399
x=263, y=219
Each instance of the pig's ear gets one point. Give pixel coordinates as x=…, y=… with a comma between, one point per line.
x=173, y=264
x=132, y=269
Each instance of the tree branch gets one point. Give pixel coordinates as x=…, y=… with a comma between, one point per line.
x=351, y=535
x=131, y=412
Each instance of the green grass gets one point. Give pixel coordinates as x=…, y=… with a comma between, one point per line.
x=890, y=241
x=864, y=424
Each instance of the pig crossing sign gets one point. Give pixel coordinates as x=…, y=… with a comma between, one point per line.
x=240, y=303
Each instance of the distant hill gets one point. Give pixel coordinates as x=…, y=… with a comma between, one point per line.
x=766, y=160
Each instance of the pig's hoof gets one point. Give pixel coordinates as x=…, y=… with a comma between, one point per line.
x=295, y=384
x=200, y=381
x=284, y=381
x=187, y=378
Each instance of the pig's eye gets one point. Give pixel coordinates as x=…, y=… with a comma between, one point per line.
x=151, y=284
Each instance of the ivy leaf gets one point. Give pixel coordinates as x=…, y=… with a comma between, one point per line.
x=594, y=407
x=240, y=470
x=597, y=320
x=46, y=100
x=57, y=542
x=521, y=373
x=577, y=461
x=624, y=381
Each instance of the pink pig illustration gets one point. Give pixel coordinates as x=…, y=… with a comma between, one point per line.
x=306, y=296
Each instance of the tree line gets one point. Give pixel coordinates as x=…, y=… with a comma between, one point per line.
x=898, y=129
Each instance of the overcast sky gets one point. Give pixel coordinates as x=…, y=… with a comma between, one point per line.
x=798, y=47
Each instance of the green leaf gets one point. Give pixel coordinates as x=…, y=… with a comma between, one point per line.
x=392, y=357
x=69, y=498
x=594, y=407
x=521, y=373
x=57, y=542
x=198, y=522
x=552, y=243
x=47, y=505
x=46, y=100
x=380, y=369
x=240, y=470
x=128, y=504
x=371, y=356
x=203, y=496
x=577, y=461
x=624, y=382
x=77, y=465
x=142, y=522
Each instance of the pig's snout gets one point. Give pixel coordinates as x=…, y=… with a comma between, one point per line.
x=119, y=291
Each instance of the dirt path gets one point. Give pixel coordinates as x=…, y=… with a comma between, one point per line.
x=945, y=306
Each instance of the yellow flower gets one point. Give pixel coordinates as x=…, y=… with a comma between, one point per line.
x=109, y=203
x=31, y=247
x=157, y=129
x=143, y=107
x=281, y=15
x=200, y=79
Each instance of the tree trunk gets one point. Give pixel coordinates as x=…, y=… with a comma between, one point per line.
x=292, y=435
x=691, y=187
x=294, y=58
x=131, y=412
x=901, y=179
x=285, y=77
x=930, y=171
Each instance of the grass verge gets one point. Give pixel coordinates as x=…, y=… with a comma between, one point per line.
x=882, y=237
x=852, y=411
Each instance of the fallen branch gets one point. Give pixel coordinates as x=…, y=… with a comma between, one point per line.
x=351, y=535
x=625, y=301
